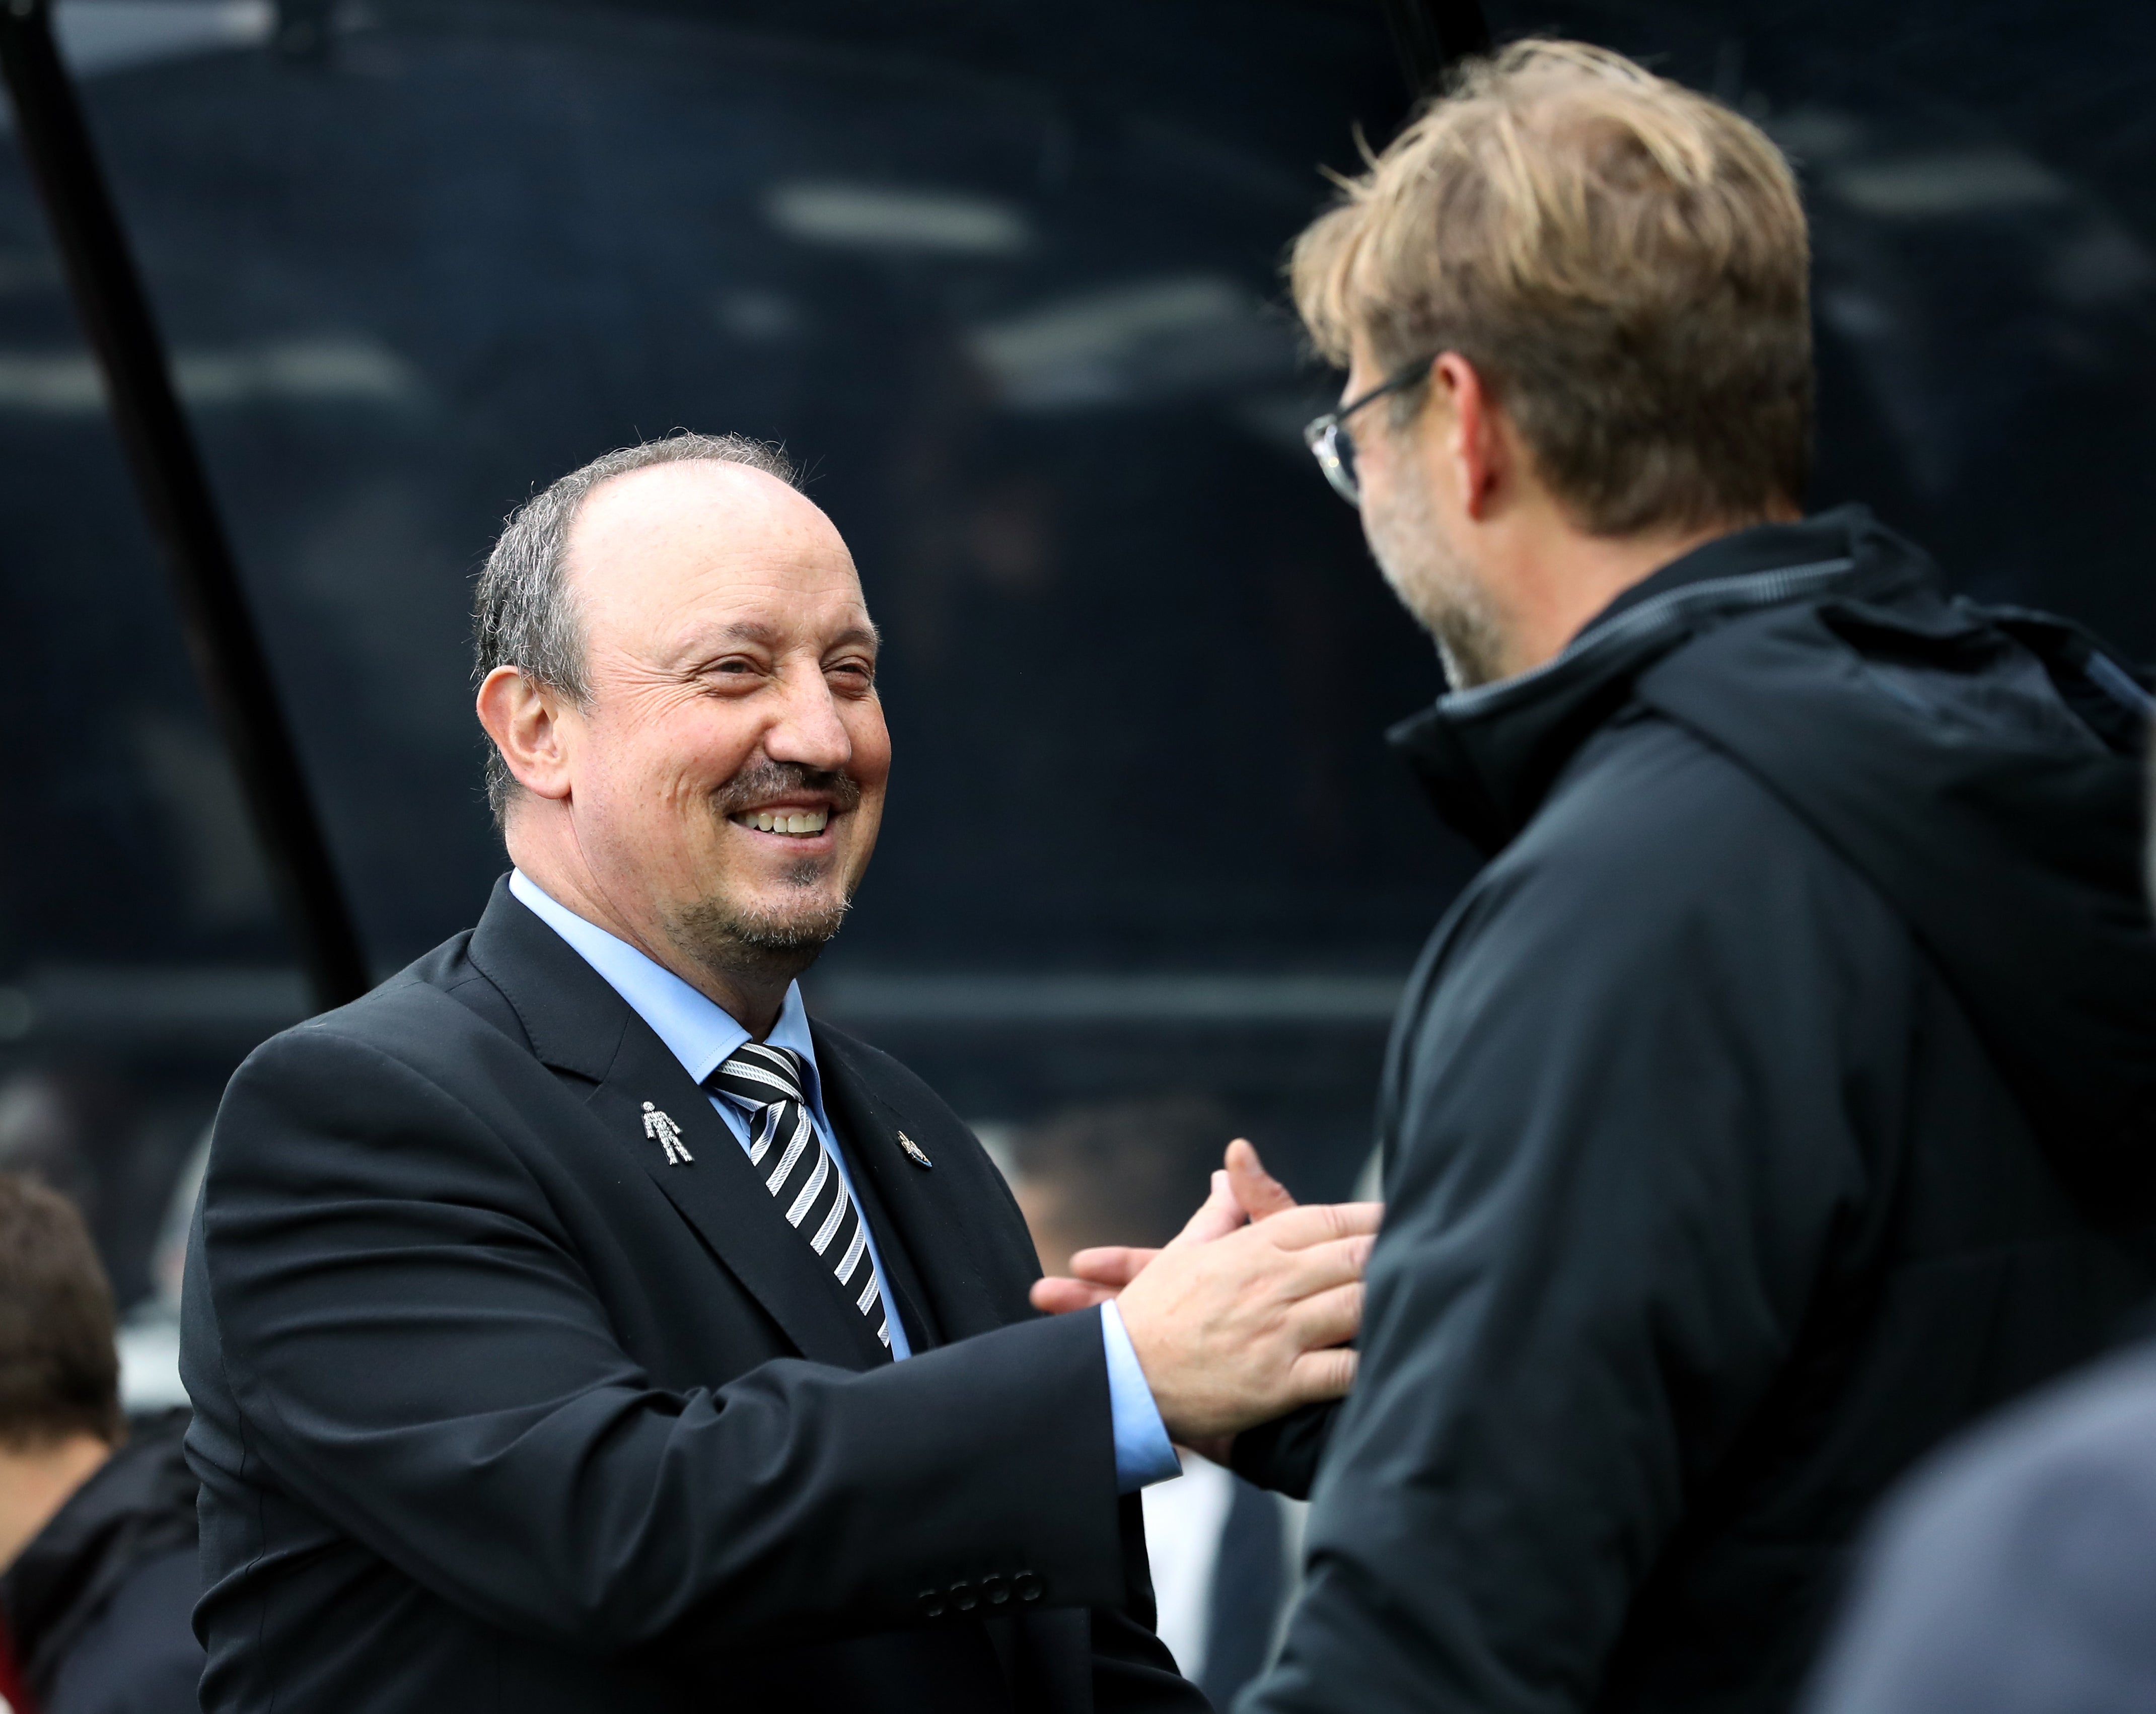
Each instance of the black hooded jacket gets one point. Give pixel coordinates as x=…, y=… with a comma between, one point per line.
x=100, y=1601
x=1781, y=1096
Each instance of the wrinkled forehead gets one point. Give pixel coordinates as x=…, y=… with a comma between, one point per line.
x=661, y=557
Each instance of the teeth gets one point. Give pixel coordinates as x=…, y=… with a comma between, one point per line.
x=791, y=821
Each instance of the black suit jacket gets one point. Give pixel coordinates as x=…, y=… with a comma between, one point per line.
x=495, y=1408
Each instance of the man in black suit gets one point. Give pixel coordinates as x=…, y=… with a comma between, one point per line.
x=573, y=1324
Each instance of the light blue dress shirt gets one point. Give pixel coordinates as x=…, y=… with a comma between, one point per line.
x=703, y=1036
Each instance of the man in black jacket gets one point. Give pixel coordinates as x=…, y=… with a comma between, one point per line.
x=1779, y=1096
x=2015, y=1572
x=98, y=1570
x=573, y=1324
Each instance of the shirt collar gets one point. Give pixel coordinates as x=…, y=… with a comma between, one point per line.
x=699, y=1032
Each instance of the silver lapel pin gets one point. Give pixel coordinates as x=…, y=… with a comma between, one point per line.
x=657, y=1124
x=913, y=1150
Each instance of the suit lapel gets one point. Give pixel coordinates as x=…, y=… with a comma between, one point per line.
x=943, y=1216
x=579, y=1024
x=723, y=1197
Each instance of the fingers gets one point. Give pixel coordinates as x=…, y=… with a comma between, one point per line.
x=1319, y=1375
x=1060, y=1297
x=1322, y=1267
x=1114, y=1265
x=1257, y=1191
x=1329, y=1317
x=1321, y=1223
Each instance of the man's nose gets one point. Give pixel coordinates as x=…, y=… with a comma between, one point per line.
x=808, y=729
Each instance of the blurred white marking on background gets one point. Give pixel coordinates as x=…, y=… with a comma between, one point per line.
x=110, y=35
x=1965, y=181
x=337, y=371
x=888, y=217
x=1144, y=340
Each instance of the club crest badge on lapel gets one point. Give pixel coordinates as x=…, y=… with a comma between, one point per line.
x=668, y=1134
x=913, y=1150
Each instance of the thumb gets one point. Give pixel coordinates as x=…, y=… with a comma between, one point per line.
x=1257, y=1191
x=1217, y=1216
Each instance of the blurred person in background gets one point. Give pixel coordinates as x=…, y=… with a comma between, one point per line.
x=1126, y=1173
x=1778, y=1098
x=42, y=1132
x=574, y=1323
x=2016, y=1573
x=98, y=1569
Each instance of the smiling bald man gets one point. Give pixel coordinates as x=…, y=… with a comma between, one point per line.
x=574, y=1323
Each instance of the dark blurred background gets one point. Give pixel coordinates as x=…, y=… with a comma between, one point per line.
x=1006, y=278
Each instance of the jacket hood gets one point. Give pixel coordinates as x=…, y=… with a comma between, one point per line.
x=1981, y=766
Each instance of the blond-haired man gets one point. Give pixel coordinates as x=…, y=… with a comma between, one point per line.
x=1777, y=1096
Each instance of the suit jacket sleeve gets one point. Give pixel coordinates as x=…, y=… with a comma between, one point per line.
x=1282, y=1454
x=418, y=1357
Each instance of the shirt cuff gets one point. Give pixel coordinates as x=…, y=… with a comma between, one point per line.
x=1143, y=1456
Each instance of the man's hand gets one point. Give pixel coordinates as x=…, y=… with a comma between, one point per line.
x=1234, y=1331
x=1244, y=1192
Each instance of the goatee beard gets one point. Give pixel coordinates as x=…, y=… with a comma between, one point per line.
x=756, y=946
x=742, y=943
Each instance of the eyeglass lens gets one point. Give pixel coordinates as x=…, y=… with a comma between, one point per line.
x=1336, y=457
x=1344, y=454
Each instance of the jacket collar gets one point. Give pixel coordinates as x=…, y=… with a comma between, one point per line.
x=579, y=1026
x=1488, y=757
x=572, y=1017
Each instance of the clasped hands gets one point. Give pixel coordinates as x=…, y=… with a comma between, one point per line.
x=1245, y=1314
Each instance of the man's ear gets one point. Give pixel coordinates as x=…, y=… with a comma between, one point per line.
x=1475, y=445
x=524, y=718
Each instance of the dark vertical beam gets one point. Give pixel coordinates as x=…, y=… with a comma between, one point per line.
x=176, y=496
x=1430, y=35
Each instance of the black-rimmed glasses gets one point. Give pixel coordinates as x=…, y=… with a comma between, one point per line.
x=1334, y=447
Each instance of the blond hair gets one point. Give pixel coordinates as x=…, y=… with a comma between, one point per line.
x=1623, y=261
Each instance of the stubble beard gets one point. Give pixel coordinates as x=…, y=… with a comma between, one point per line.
x=739, y=940
x=1437, y=585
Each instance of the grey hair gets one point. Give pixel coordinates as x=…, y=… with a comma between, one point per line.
x=523, y=613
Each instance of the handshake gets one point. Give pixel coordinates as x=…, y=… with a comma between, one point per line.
x=1245, y=1314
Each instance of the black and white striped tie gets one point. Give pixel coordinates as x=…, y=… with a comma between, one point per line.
x=799, y=1171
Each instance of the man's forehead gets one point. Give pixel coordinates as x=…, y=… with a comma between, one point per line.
x=711, y=540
